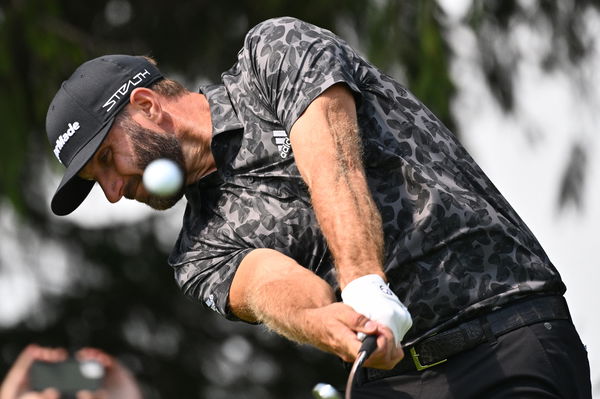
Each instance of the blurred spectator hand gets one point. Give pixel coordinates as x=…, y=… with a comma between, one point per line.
x=118, y=382
x=16, y=382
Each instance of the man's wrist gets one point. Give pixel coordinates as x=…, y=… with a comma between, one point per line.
x=347, y=278
x=357, y=287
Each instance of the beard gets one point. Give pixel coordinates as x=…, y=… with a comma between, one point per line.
x=150, y=145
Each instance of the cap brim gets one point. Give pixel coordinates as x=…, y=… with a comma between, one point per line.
x=72, y=189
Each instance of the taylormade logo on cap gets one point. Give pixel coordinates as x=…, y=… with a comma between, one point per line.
x=63, y=138
x=124, y=89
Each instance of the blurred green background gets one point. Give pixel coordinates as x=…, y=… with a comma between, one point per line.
x=106, y=283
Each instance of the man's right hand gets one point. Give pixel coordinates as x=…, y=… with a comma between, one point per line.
x=273, y=289
x=334, y=329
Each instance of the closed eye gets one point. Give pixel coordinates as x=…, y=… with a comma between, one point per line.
x=105, y=157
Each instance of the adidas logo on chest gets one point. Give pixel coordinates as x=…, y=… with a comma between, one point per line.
x=283, y=142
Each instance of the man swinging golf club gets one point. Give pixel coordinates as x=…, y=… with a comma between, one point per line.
x=324, y=200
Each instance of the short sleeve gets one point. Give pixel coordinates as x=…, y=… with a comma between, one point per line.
x=208, y=278
x=206, y=257
x=293, y=62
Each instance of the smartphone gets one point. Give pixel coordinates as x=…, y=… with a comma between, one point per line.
x=69, y=376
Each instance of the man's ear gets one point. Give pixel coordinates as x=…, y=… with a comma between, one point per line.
x=147, y=102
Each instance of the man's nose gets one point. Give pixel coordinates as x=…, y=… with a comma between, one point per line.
x=112, y=185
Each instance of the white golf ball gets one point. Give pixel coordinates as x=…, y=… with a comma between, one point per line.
x=162, y=177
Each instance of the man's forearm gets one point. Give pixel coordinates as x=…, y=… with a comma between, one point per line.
x=350, y=222
x=327, y=149
x=273, y=289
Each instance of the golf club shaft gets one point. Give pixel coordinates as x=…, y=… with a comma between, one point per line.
x=367, y=348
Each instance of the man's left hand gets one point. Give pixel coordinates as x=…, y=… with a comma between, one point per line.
x=369, y=295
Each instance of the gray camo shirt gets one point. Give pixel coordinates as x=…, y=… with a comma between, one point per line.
x=454, y=246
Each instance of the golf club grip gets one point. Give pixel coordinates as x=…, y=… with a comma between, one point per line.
x=369, y=345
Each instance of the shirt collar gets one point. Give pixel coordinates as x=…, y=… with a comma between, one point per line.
x=223, y=115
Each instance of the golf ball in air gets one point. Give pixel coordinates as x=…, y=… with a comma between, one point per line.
x=162, y=177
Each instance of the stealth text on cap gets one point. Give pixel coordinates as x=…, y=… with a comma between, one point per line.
x=63, y=138
x=124, y=89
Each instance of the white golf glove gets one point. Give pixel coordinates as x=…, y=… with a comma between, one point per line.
x=370, y=296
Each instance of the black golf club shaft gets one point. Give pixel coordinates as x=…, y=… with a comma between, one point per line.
x=367, y=348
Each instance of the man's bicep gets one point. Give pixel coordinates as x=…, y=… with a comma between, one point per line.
x=268, y=282
x=327, y=133
x=335, y=104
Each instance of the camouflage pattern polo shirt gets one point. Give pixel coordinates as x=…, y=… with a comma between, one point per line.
x=454, y=247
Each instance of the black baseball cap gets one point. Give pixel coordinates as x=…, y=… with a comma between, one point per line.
x=83, y=111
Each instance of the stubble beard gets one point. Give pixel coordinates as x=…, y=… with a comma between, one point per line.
x=150, y=145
